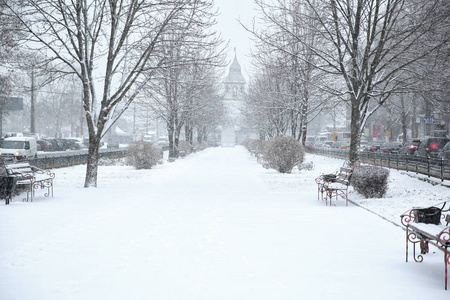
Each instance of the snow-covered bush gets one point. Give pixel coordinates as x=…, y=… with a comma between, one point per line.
x=112, y=161
x=199, y=146
x=307, y=166
x=254, y=146
x=370, y=181
x=283, y=153
x=143, y=155
x=184, y=148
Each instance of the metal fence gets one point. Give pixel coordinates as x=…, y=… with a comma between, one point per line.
x=432, y=167
x=66, y=160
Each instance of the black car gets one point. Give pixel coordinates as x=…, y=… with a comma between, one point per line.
x=390, y=147
x=445, y=152
x=56, y=146
x=113, y=144
x=373, y=146
x=430, y=147
x=410, y=147
x=44, y=145
x=73, y=144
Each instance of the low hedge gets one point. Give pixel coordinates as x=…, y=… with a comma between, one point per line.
x=283, y=153
x=370, y=181
x=143, y=155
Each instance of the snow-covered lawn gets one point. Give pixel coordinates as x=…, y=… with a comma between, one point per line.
x=215, y=225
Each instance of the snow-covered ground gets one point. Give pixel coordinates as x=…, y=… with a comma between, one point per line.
x=215, y=225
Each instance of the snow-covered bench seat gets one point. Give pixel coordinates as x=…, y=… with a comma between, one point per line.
x=428, y=225
x=334, y=185
x=31, y=178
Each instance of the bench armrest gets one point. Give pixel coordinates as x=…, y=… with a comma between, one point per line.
x=413, y=214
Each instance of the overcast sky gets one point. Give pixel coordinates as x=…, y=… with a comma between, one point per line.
x=230, y=11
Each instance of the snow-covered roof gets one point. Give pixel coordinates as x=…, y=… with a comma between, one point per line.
x=235, y=74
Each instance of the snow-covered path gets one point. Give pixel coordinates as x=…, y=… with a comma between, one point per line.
x=215, y=225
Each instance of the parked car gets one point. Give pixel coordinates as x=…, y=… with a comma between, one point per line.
x=390, y=147
x=430, y=147
x=113, y=144
x=310, y=140
x=445, y=152
x=57, y=146
x=319, y=144
x=410, y=147
x=339, y=145
x=44, y=145
x=163, y=143
x=73, y=144
x=363, y=145
x=328, y=144
x=65, y=144
x=373, y=146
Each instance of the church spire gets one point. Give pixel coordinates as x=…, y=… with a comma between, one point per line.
x=235, y=74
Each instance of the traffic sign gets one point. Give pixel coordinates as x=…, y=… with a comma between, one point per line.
x=11, y=103
x=429, y=120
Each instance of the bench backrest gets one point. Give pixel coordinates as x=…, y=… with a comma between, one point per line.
x=23, y=168
x=344, y=175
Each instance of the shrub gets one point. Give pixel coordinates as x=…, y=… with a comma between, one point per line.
x=112, y=161
x=254, y=146
x=370, y=181
x=184, y=148
x=283, y=153
x=143, y=155
x=308, y=166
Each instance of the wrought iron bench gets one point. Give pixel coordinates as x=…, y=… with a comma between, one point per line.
x=29, y=177
x=429, y=225
x=334, y=185
x=7, y=183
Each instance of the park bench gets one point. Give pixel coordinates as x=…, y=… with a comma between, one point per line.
x=335, y=184
x=22, y=175
x=429, y=225
x=7, y=183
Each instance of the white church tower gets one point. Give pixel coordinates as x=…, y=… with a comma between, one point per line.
x=234, y=85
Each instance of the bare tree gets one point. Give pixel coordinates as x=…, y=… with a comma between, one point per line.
x=287, y=44
x=108, y=45
x=9, y=35
x=205, y=110
x=369, y=43
x=191, y=52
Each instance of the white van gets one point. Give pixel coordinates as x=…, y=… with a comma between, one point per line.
x=18, y=147
x=310, y=140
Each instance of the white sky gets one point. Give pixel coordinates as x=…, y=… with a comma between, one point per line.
x=230, y=11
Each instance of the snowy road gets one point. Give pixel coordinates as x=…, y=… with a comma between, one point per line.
x=215, y=225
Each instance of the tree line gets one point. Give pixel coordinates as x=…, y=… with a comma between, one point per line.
x=98, y=57
x=355, y=56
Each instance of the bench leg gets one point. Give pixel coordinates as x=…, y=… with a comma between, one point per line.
x=447, y=262
x=407, y=242
x=412, y=238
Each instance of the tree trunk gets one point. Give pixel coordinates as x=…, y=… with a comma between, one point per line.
x=414, y=125
x=171, y=133
x=355, y=130
x=92, y=162
x=403, y=119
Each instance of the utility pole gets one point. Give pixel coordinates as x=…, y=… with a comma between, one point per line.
x=32, y=103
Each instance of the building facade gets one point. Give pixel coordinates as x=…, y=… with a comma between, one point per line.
x=234, y=85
